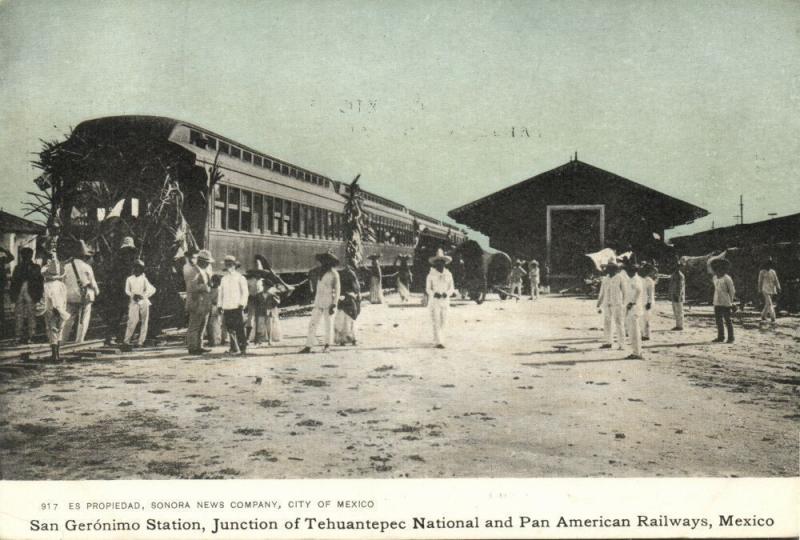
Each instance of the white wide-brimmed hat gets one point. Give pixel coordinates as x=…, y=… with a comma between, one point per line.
x=440, y=256
x=205, y=255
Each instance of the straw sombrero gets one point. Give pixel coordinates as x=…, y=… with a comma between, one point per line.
x=440, y=256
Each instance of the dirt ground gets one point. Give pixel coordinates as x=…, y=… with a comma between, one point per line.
x=521, y=391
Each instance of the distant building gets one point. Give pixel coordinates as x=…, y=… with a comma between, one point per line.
x=779, y=230
x=560, y=215
x=17, y=232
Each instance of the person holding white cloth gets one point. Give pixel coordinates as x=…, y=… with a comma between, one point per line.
x=439, y=287
x=139, y=289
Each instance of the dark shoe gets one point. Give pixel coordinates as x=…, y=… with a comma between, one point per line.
x=718, y=340
x=605, y=346
x=205, y=350
x=326, y=348
x=195, y=352
x=645, y=339
x=634, y=357
x=305, y=350
x=676, y=329
x=440, y=346
x=730, y=340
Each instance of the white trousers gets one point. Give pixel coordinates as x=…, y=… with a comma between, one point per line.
x=614, y=319
x=137, y=312
x=633, y=321
x=677, y=311
x=345, y=329
x=769, y=308
x=646, y=323
x=320, y=314
x=439, y=308
x=80, y=315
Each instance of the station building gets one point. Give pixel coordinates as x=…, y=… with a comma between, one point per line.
x=562, y=214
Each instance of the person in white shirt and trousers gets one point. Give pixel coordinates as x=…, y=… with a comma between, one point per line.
x=611, y=303
x=648, y=273
x=439, y=287
x=82, y=290
x=139, y=289
x=326, y=299
x=232, y=300
x=634, y=304
x=768, y=286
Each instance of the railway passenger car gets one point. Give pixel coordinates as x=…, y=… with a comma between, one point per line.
x=261, y=204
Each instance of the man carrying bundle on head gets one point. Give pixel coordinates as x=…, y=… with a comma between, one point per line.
x=326, y=298
x=439, y=287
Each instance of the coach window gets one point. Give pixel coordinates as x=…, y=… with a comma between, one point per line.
x=268, y=206
x=277, y=209
x=257, y=161
x=301, y=220
x=295, y=219
x=258, y=213
x=220, y=214
x=287, y=218
x=247, y=156
x=236, y=152
x=224, y=147
x=247, y=223
x=309, y=222
x=233, y=209
x=211, y=143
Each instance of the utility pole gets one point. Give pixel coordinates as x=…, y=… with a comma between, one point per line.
x=741, y=209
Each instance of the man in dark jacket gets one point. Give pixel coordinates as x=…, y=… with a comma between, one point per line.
x=26, y=291
x=115, y=300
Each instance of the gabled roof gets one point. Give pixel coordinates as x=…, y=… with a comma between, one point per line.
x=684, y=212
x=16, y=224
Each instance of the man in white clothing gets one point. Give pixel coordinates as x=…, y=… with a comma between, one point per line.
x=610, y=303
x=139, y=290
x=648, y=274
x=232, y=300
x=328, y=288
x=634, y=304
x=82, y=290
x=439, y=287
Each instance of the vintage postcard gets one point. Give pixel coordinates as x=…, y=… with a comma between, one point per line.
x=479, y=269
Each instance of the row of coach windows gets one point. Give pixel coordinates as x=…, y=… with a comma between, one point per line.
x=237, y=209
x=205, y=141
x=241, y=210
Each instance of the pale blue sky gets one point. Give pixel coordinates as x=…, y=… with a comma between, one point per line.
x=696, y=99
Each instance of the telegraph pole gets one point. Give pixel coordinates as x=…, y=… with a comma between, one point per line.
x=741, y=209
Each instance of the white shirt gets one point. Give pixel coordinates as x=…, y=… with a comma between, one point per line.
x=329, y=288
x=139, y=285
x=439, y=282
x=635, y=294
x=74, y=284
x=612, y=290
x=768, y=282
x=724, y=291
x=232, y=290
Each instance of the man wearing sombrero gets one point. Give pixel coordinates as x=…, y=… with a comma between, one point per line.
x=328, y=289
x=439, y=287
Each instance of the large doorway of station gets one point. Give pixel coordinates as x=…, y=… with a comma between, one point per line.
x=572, y=232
